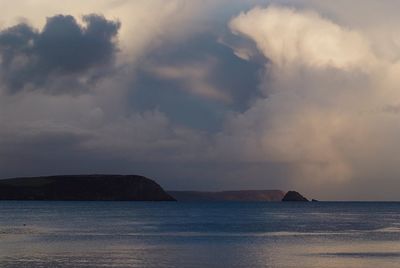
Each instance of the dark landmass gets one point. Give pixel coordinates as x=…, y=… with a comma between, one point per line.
x=83, y=188
x=314, y=200
x=250, y=195
x=293, y=196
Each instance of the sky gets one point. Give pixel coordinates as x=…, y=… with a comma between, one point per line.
x=205, y=94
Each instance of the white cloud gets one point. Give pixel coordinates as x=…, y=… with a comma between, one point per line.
x=325, y=89
x=288, y=37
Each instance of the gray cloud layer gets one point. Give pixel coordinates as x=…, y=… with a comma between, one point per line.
x=64, y=48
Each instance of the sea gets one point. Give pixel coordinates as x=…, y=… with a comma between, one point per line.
x=209, y=234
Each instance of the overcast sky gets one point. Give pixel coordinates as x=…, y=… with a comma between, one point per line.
x=205, y=95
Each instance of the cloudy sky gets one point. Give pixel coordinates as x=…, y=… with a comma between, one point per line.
x=205, y=94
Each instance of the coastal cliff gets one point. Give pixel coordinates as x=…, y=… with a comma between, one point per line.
x=83, y=188
x=249, y=196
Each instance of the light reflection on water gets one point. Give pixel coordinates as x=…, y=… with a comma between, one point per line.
x=128, y=234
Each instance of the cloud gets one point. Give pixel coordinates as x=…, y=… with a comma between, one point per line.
x=204, y=94
x=81, y=105
x=288, y=37
x=66, y=46
x=195, y=78
x=196, y=90
x=63, y=50
x=325, y=90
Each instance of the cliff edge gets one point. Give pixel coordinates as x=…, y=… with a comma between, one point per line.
x=83, y=188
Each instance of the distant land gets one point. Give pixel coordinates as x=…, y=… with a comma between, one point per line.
x=293, y=196
x=83, y=188
x=245, y=195
x=123, y=188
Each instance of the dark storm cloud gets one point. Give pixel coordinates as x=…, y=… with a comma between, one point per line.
x=230, y=74
x=64, y=48
x=227, y=74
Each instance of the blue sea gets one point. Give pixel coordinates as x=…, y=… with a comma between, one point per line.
x=174, y=234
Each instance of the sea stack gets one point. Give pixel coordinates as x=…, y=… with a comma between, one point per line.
x=83, y=188
x=293, y=196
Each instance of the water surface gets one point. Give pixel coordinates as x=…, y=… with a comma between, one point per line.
x=173, y=234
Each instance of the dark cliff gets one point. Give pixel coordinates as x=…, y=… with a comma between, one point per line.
x=250, y=195
x=83, y=188
x=294, y=197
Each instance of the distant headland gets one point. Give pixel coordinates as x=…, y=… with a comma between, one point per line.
x=83, y=188
x=124, y=188
x=244, y=195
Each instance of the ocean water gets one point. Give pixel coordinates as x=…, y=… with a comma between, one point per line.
x=151, y=234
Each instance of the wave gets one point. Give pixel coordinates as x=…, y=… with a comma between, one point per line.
x=360, y=254
x=391, y=229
